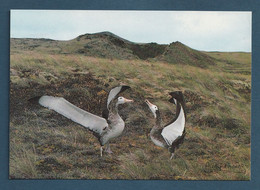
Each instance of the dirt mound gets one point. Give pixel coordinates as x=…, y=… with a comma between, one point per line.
x=81, y=90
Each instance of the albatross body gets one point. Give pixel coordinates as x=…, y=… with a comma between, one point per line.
x=171, y=135
x=105, y=128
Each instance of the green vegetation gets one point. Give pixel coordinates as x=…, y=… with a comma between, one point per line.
x=44, y=144
x=110, y=46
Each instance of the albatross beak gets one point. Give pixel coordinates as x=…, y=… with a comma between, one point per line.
x=127, y=100
x=148, y=103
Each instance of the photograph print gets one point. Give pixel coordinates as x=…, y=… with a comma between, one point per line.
x=151, y=95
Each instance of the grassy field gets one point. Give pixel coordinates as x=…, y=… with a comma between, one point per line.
x=45, y=145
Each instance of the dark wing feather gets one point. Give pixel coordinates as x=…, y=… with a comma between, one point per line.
x=178, y=142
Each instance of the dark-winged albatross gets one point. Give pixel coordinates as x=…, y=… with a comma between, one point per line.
x=171, y=135
x=104, y=129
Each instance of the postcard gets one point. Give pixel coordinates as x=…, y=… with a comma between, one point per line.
x=162, y=95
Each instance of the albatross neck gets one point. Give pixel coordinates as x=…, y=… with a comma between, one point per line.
x=158, y=121
x=113, y=107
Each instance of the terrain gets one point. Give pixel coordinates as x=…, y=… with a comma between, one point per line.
x=46, y=145
x=108, y=45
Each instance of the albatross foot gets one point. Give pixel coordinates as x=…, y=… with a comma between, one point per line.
x=108, y=150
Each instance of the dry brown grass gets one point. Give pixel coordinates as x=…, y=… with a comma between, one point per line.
x=46, y=145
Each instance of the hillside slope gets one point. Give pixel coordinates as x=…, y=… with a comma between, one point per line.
x=108, y=45
x=178, y=53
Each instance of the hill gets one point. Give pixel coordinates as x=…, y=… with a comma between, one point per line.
x=108, y=45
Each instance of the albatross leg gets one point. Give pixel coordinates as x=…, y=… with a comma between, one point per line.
x=171, y=150
x=108, y=150
x=172, y=156
x=101, y=151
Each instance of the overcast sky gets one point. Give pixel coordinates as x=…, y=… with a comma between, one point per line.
x=201, y=30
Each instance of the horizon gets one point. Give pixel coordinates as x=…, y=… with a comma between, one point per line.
x=212, y=31
x=136, y=42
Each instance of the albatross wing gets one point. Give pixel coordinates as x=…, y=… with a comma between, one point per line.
x=65, y=108
x=174, y=130
x=115, y=91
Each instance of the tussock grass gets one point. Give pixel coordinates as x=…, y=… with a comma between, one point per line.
x=24, y=159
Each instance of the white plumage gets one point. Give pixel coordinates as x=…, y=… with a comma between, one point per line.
x=171, y=132
x=113, y=93
x=65, y=108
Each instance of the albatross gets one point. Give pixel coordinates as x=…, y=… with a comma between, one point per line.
x=105, y=128
x=172, y=134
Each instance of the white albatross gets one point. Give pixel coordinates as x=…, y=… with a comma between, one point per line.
x=171, y=135
x=104, y=129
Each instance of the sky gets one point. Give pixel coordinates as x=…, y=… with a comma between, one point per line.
x=200, y=30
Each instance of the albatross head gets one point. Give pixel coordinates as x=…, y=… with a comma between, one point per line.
x=122, y=100
x=154, y=109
